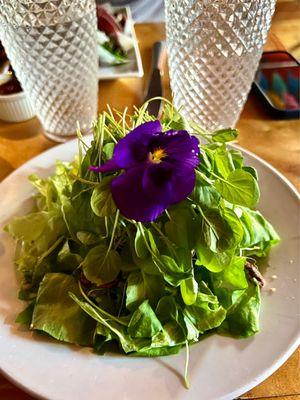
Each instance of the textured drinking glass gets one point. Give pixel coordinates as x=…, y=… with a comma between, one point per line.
x=52, y=47
x=214, y=47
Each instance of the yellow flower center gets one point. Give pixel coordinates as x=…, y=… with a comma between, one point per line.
x=157, y=155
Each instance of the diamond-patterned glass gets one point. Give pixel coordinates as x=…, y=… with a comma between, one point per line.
x=214, y=49
x=52, y=47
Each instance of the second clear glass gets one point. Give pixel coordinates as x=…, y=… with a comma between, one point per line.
x=52, y=47
x=214, y=47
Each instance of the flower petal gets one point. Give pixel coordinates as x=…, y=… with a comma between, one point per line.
x=157, y=181
x=183, y=185
x=109, y=166
x=133, y=148
x=132, y=200
x=182, y=149
x=168, y=185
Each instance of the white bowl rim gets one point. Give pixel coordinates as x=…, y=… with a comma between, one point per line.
x=13, y=96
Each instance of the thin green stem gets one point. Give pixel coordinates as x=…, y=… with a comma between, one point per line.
x=106, y=226
x=109, y=316
x=82, y=191
x=187, y=358
x=112, y=235
x=49, y=251
x=165, y=239
x=168, y=215
x=82, y=180
x=141, y=229
x=122, y=300
x=203, y=176
x=110, y=134
x=67, y=224
x=124, y=120
x=207, y=221
x=141, y=115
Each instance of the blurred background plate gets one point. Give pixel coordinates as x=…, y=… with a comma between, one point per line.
x=133, y=68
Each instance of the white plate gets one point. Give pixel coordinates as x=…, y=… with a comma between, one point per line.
x=134, y=67
x=220, y=367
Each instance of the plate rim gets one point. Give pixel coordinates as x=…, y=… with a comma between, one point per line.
x=280, y=359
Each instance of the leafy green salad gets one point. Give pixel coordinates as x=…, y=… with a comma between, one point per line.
x=92, y=276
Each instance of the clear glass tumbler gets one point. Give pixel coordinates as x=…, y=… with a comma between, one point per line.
x=52, y=47
x=214, y=47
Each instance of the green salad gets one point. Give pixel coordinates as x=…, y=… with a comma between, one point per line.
x=95, y=277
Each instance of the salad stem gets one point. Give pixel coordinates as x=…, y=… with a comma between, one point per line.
x=141, y=229
x=165, y=239
x=82, y=180
x=110, y=316
x=49, y=251
x=112, y=234
x=187, y=358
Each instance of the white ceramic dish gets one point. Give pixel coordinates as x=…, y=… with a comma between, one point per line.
x=134, y=67
x=15, y=108
x=220, y=368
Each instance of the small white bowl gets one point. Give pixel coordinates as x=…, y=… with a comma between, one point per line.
x=15, y=107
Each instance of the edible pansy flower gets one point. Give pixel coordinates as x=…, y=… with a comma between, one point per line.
x=159, y=170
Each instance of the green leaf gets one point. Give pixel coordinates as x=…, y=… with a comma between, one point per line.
x=237, y=158
x=243, y=317
x=214, y=262
x=213, y=228
x=205, y=195
x=40, y=229
x=173, y=273
x=107, y=151
x=259, y=234
x=221, y=229
x=206, y=313
x=223, y=164
x=172, y=335
x=192, y=333
x=128, y=344
x=239, y=188
x=189, y=290
x=167, y=309
x=148, y=237
x=159, y=351
x=182, y=227
x=233, y=277
x=25, y=316
x=141, y=286
x=100, y=266
x=79, y=215
x=87, y=238
x=55, y=190
x=144, y=323
x=251, y=171
x=225, y=135
x=140, y=245
x=174, y=119
x=67, y=260
x=56, y=313
x=103, y=335
x=102, y=202
x=235, y=225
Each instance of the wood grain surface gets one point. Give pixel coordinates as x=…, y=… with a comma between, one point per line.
x=276, y=141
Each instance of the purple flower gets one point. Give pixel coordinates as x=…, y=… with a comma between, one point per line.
x=159, y=170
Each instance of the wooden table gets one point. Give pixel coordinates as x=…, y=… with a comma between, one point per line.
x=276, y=141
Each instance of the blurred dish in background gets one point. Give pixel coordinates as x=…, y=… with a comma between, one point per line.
x=114, y=35
x=14, y=105
x=119, y=55
x=277, y=83
x=8, y=81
